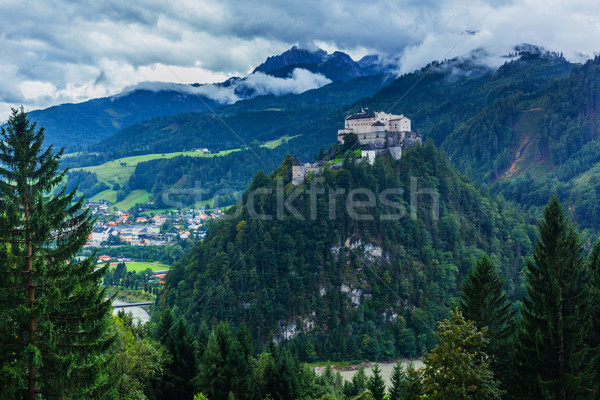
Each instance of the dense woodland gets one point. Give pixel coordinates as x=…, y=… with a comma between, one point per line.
x=301, y=272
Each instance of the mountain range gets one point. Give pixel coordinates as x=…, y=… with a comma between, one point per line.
x=75, y=126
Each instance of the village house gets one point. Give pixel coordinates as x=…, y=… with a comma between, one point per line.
x=104, y=258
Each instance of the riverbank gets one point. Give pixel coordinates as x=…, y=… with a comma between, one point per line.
x=348, y=371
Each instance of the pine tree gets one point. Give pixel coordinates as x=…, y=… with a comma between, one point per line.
x=405, y=382
x=397, y=382
x=376, y=384
x=359, y=380
x=54, y=317
x=553, y=361
x=485, y=302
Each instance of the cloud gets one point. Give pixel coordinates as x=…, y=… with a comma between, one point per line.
x=300, y=81
x=89, y=48
x=256, y=84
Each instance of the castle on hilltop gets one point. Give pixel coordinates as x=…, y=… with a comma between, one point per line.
x=378, y=133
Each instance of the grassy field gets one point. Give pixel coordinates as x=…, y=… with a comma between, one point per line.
x=139, y=266
x=129, y=295
x=135, y=197
x=108, y=195
x=271, y=144
x=120, y=170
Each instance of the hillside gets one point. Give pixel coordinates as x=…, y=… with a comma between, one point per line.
x=442, y=96
x=341, y=287
x=532, y=145
x=438, y=99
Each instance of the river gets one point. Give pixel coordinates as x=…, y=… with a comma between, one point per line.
x=386, y=370
x=137, y=312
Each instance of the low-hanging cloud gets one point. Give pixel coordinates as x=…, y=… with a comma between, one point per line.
x=256, y=84
x=300, y=81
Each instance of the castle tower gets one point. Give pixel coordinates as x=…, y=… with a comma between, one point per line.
x=298, y=172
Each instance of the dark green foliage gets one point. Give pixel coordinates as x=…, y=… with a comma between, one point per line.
x=188, y=180
x=359, y=381
x=457, y=368
x=533, y=145
x=485, y=302
x=593, y=339
x=376, y=384
x=272, y=273
x=553, y=359
x=405, y=383
x=215, y=375
x=166, y=254
x=85, y=182
x=54, y=316
x=398, y=382
x=181, y=368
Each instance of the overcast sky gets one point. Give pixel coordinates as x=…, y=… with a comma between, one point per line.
x=57, y=51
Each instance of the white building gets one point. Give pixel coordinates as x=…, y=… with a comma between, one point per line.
x=365, y=122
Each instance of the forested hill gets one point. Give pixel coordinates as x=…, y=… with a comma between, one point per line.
x=529, y=129
x=442, y=96
x=440, y=99
x=340, y=287
x=532, y=145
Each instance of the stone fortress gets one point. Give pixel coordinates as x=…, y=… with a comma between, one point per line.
x=378, y=133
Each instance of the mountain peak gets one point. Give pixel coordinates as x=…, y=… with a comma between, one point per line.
x=291, y=57
x=337, y=66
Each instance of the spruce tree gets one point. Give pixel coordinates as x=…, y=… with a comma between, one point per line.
x=553, y=360
x=182, y=366
x=214, y=376
x=54, y=316
x=376, y=384
x=405, y=382
x=397, y=382
x=485, y=302
x=593, y=338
